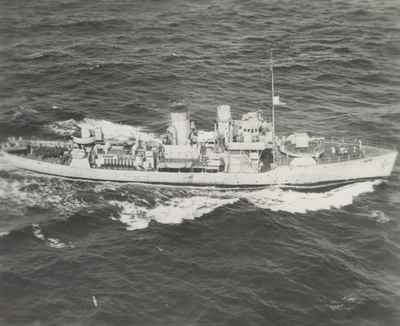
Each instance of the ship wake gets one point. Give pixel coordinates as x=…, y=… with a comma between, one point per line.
x=199, y=202
x=137, y=206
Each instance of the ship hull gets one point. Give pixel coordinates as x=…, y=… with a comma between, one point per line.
x=316, y=176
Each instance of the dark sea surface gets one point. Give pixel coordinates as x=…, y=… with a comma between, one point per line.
x=173, y=256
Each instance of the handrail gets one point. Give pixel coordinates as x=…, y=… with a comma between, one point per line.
x=34, y=142
x=364, y=142
x=284, y=160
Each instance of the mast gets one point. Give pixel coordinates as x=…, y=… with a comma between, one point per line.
x=273, y=107
x=272, y=97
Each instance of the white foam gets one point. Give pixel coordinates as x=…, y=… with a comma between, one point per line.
x=302, y=202
x=200, y=202
x=100, y=187
x=37, y=232
x=4, y=233
x=5, y=165
x=58, y=244
x=180, y=209
x=18, y=196
x=347, y=302
x=380, y=216
x=173, y=211
x=132, y=215
x=51, y=242
x=336, y=306
x=350, y=298
x=111, y=130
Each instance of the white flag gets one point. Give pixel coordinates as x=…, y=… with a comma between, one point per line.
x=276, y=100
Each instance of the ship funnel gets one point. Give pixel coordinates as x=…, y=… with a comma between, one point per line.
x=85, y=132
x=98, y=134
x=181, y=122
x=224, y=113
x=224, y=118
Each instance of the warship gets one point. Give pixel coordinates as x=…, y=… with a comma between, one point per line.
x=245, y=152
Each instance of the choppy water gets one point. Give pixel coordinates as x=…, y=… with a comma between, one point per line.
x=170, y=256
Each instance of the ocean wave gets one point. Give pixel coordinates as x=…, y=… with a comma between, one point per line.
x=92, y=47
x=4, y=233
x=330, y=78
x=111, y=130
x=373, y=77
x=291, y=68
x=21, y=194
x=347, y=302
x=24, y=117
x=342, y=50
x=200, y=202
x=358, y=63
x=174, y=211
x=99, y=23
x=58, y=244
x=301, y=202
x=81, y=26
x=50, y=54
x=51, y=242
x=132, y=215
x=380, y=216
x=37, y=232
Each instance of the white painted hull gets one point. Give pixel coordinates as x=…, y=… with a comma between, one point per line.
x=378, y=166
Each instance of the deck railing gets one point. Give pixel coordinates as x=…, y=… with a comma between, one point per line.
x=339, y=158
x=361, y=144
x=355, y=141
